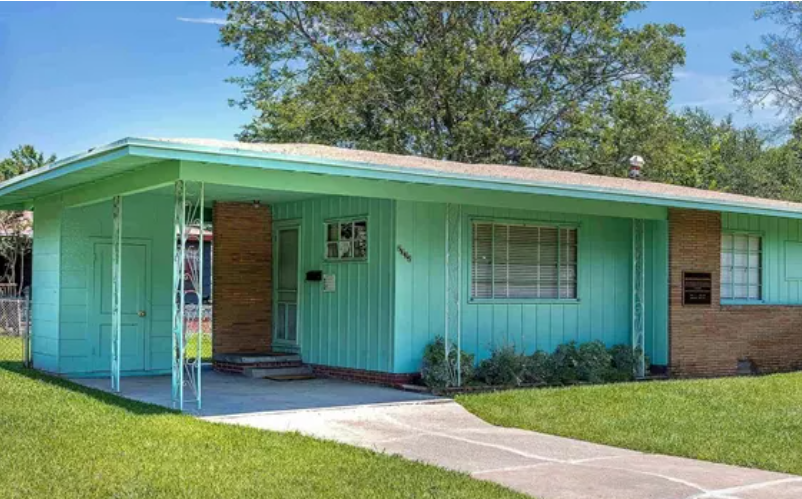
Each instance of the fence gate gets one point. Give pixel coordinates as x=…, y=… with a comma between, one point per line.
x=15, y=338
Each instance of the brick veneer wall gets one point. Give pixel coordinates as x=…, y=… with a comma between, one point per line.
x=242, y=290
x=363, y=376
x=709, y=340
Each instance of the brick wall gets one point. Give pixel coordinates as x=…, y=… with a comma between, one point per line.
x=364, y=376
x=242, y=278
x=708, y=340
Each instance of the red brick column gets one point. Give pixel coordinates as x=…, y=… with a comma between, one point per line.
x=242, y=295
x=708, y=340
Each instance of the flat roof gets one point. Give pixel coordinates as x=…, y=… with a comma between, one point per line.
x=367, y=164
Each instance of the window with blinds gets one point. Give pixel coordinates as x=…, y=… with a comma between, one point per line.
x=741, y=267
x=521, y=261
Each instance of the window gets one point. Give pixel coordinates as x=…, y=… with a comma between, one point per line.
x=347, y=240
x=741, y=267
x=520, y=261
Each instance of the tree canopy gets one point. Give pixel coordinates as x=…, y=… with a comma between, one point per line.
x=566, y=85
x=525, y=83
x=770, y=75
x=23, y=159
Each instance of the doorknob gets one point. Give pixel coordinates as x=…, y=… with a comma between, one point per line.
x=142, y=313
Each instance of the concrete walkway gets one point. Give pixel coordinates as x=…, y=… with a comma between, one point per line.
x=441, y=432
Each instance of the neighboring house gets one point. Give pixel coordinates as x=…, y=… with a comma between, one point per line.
x=357, y=260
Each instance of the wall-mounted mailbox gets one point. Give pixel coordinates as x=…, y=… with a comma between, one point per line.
x=314, y=275
x=697, y=288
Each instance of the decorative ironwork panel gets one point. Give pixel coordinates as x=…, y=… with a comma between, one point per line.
x=453, y=287
x=188, y=336
x=639, y=294
x=116, y=291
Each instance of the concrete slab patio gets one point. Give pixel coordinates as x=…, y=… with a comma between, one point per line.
x=229, y=394
x=441, y=432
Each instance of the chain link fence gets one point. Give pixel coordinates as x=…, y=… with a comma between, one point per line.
x=15, y=342
x=15, y=312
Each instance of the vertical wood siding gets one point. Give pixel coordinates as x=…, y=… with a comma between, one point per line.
x=146, y=217
x=779, y=286
x=420, y=289
x=45, y=284
x=602, y=312
x=657, y=291
x=353, y=326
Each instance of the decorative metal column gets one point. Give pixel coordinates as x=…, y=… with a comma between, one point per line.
x=116, y=290
x=453, y=325
x=187, y=266
x=639, y=294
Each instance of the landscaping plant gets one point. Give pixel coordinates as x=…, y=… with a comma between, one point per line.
x=437, y=373
x=505, y=367
x=569, y=364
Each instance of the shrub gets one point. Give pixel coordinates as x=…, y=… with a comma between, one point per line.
x=539, y=368
x=624, y=360
x=505, y=367
x=437, y=373
x=594, y=362
x=565, y=361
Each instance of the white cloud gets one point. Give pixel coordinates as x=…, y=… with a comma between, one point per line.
x=692, y=89
x=203, y=20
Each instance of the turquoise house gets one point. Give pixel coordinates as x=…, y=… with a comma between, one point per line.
x=351, y=262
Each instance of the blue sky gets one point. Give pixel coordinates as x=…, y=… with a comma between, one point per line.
x=77, y=75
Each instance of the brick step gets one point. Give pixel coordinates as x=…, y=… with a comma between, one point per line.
x=260, y=359
x=264, y=372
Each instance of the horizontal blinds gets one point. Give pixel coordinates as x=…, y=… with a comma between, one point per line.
x=512, y=261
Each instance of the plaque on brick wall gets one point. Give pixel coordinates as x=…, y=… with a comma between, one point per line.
x=697, y=288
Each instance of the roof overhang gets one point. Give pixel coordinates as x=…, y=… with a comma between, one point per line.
x=135, y=153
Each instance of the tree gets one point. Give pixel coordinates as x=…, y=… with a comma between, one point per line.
x=23, y=159
x=771, y=74
x=15, y=226
x=522, y=83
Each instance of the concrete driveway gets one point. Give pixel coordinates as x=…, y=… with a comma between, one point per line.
x=442, y=433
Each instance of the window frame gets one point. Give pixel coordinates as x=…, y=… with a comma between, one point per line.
x=743, y=301
x=527, y=223
x=345, y=220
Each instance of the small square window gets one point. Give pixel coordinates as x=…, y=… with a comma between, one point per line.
x=347, y=240
x=741, y=267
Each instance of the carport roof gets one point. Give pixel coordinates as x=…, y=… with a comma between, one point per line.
x=132, y=153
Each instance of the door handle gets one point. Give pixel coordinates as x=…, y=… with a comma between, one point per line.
x=142, y=313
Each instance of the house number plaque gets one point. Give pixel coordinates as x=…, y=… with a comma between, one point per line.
x=697, y=288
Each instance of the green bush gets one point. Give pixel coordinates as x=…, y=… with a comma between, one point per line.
x=505, y=367
x=590, y=362
x=594, y=362
x=437, y=373
x=624, y=361
x=539, y=368
x=565, y=360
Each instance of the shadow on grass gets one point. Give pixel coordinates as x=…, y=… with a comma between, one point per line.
x=131, y=406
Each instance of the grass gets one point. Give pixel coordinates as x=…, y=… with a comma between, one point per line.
x=192, y=347
x=752, y=421
x=58, y=439
x=10, y=348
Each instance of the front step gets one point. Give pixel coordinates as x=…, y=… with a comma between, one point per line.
x=271, y=372
x=250, y=359
x=261, y=365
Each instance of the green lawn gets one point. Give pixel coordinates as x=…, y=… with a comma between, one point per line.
x=754, y=421
x=10, y=348
x=61, y=440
